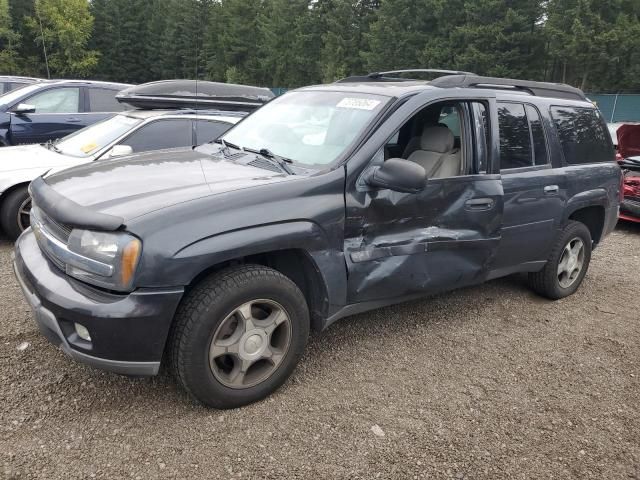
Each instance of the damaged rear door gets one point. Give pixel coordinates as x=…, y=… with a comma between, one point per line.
x=398, y=245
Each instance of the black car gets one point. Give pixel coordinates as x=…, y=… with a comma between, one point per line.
x=49, y=110
x=10, y=82
x=328, y=201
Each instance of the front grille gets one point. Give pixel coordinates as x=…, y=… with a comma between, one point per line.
x=43, y=224
x=58, y=230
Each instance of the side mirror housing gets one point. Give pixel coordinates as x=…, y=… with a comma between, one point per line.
x=119, y=151
x=399, y=175
x=24, y=108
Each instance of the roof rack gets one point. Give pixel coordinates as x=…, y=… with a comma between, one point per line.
x=172, y=94
x=455, y=78
x=389, y=75
x=540, y=89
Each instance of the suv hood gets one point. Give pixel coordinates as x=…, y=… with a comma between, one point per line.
x=139, y=184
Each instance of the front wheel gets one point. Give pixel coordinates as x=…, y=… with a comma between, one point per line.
x=567, y=263
x=14, y=213
x=238, y=335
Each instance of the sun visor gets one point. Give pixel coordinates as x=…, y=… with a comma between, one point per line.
x=195, y=94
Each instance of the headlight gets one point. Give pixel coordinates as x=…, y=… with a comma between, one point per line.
x=112, y=258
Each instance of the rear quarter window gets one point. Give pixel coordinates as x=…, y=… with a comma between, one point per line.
x=104, y=100
x=582, y=134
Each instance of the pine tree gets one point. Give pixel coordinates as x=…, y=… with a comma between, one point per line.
x=8, y=41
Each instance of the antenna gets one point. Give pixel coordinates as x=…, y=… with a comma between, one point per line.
x=44, y=47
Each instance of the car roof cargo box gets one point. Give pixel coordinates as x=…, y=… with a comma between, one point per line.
x=195, y=94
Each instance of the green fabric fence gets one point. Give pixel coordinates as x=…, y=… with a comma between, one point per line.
x=623, y=107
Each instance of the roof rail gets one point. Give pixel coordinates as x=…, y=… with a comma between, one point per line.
x=389, y=75
x=540, y=89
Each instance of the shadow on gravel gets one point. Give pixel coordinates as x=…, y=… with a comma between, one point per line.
x=628, y=227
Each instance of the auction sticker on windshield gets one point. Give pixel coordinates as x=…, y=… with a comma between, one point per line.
x=358, y=103
x=89, y=147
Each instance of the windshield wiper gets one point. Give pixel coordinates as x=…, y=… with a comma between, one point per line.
x=226, y=144
x=283, y=162
x=51, y=145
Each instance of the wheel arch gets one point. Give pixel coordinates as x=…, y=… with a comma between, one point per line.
x=300, y=250
x=593, y=217
x=589, y=207
x=297, y=265
x=11, y=189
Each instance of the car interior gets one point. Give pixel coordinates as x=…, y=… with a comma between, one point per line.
x=431, y=138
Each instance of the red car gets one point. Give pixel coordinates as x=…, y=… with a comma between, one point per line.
x=628, y=157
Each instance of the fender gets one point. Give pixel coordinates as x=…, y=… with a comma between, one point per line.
x=193, y=259
x=589, y=198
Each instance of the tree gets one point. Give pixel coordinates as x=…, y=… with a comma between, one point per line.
x=66, y=28
x=286, y=43
x=502, y=38
x=345, y=26
x=238, y=41
x=399, y=33
x=594, y=43
x=8, y=40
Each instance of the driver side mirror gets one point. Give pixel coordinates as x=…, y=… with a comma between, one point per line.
x=119, y=151
x=399, y=175
x=24, y=108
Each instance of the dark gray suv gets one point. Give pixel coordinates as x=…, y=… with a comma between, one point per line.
x=328, y=201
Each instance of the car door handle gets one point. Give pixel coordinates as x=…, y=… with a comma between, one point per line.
x=551, y=189
x=73, y=119
x=479, y=204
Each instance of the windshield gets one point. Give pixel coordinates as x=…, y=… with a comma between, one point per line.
x=309, y=127
x=12, y=96
x=94, y=138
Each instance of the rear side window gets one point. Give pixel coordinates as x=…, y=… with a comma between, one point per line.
x=14, y=85
x=208, y=131
x=582, y=134
x=103, y=100
x=160, y=134
x=515, y=140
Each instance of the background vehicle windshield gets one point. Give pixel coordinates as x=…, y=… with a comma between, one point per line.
x=312, y=127
x=13, y=95
x=94, y=138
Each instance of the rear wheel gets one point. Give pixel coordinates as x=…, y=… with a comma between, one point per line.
x=14, y=213
x=567, y=263
x=238, y=335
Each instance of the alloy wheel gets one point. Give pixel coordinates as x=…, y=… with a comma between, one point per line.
x=571, y=262
x=250, y=343
x=23, y=216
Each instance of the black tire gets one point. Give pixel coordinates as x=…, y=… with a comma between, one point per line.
x=202, y=311
x=546, y=282
x=9, y=208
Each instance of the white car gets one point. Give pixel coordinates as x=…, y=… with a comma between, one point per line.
x=128, y=132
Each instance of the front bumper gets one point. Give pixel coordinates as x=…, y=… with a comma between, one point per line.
x=128, y=331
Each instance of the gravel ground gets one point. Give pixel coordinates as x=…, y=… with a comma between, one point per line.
x=485, y=382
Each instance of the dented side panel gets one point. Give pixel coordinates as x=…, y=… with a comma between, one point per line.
x=400, y=244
